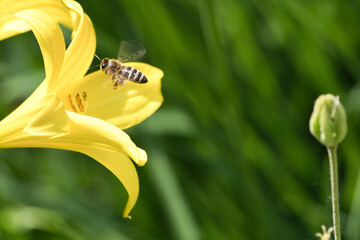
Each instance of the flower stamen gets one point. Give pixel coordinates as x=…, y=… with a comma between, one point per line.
x=80, y=102
x=84, y=95
x=72, y=107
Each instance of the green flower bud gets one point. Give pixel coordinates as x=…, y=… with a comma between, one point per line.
x=328, y=120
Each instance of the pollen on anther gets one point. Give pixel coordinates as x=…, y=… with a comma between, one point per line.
x=84, y=96
x=79, y=102
x=72, y=107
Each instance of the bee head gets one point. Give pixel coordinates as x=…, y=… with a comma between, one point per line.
x=104, y=63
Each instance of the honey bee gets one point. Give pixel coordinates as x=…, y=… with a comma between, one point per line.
x=119, y=73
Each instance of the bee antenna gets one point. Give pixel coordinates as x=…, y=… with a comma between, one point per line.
x=97, y=64
x=97, y=57
x=93, y=67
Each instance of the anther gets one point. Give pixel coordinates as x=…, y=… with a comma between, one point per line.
x=84, y=96
x=79, y=102
x=72, y=107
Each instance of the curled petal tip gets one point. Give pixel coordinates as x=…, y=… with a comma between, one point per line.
x=142, y=157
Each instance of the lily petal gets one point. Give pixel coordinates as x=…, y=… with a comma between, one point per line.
x=48, y=35
x=99, y=133
x=109, y=146
x=44, y=123
x=54, y=8
x=81, y=50
x=121, y=166
x=94, y=137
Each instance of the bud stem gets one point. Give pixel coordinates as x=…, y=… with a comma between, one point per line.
x=332, y=151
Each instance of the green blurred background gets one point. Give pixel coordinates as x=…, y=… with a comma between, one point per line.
x=230, y=153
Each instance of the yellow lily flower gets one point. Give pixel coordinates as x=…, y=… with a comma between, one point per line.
x=69, y=110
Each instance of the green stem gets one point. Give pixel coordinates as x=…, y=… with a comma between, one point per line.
x=332, y=151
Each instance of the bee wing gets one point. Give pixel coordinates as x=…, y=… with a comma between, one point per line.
x=130, y=50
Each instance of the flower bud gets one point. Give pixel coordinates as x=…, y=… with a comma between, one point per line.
x=328, y=120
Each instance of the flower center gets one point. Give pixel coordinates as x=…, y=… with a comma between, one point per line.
x=79, y=104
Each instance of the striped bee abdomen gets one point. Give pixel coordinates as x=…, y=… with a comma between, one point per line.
x=132, y=74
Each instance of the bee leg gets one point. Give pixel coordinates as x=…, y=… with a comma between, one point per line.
x=119, y=82
x=113, y=78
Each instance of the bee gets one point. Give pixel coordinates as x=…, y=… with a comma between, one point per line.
x=119, y=72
